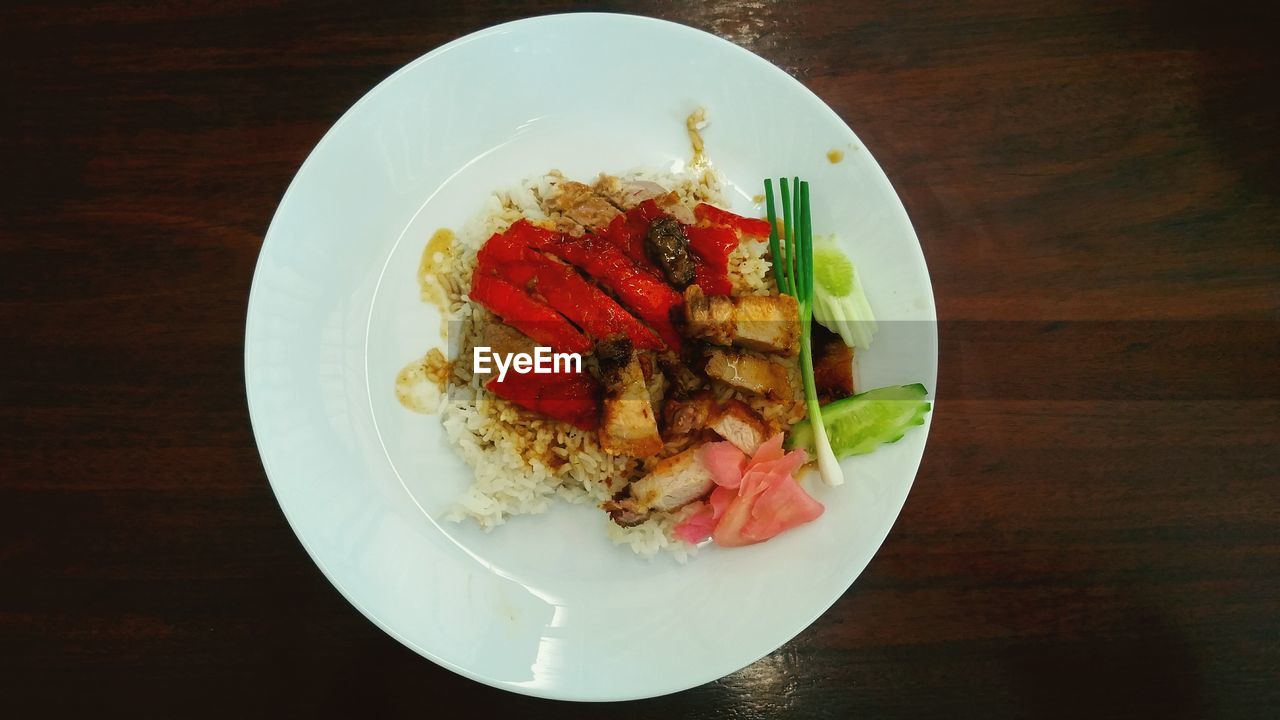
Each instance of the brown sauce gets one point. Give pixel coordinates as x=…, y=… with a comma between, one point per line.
x=437, y=259
x=691, y=123
x=420, y=384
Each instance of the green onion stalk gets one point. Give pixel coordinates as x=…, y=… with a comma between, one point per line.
x=793, y=271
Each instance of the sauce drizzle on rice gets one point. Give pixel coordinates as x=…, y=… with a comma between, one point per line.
x=420, y=384
x=694, y=124
x=436, y=262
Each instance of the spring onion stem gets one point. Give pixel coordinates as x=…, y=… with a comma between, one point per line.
x=773, y=235
x=794, y=275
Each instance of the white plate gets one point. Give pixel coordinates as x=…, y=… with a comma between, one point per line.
x=546, y=604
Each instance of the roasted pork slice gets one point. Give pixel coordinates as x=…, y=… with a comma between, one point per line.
x=642, y=292
x=628, y=425
x=832, y=365
x=570, y=397
x=508, y=256
x=629, y=232
x=587, y=306
x=753, y=227
x=750, y=373
x=625, y=511
x=769, y=323
x=708, y=318
x=648, y=297
x=529, y=315
x=582, y=204
x=736, y=422
x=675, y=482
x=501, y=339
x=713, y=243
x=683, y=381
x=683, y=417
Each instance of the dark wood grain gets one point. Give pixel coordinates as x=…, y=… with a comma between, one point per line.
x=1093, y=532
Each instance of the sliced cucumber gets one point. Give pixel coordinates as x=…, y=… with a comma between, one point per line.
x=857, y=425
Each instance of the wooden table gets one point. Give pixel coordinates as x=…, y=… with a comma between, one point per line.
x=1093, y=532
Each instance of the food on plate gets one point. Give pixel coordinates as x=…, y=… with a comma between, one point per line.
x=749, y=373
x=628, y=425
x=833, y=365
x=758, y=322
x=668, y=248
x=839, y=302
x=673, y=483
x=697, y=365
x=857, y=425
x=739, y=424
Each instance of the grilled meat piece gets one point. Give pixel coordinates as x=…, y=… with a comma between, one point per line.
x=674, y=483
x=739, y=424
x=750, y=373
x=501, y=339
x=669, y=249
x=628, y=425
x=507, y=256
x=529, y=315
x=769, y=323
x=708, y=318
x=648, y=297
x=581, y=204
x=683, y=417
x=570, y=397
x=683, y=380
x=626, y=512
x=832, y=365
x=614, y=354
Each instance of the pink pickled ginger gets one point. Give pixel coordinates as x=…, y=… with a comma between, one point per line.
x=755, y=498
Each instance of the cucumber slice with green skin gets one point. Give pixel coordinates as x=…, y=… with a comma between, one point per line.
x=857, y=425
x=839, y=301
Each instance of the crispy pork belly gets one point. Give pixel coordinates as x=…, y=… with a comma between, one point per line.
x=708, y=318
x=769, y=323
x=685, y=417
x=674, y=483
x=683, y=381
x=739, y=424
x=625, y=511
x=832, y=365
x=581, y=204
x=750, y=373
x=628, y=425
